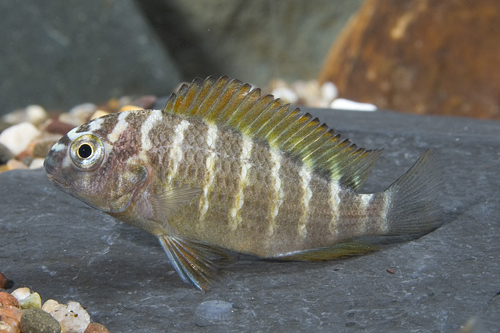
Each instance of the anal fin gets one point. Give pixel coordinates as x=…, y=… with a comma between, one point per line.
x=337, y=251
x=196, y=263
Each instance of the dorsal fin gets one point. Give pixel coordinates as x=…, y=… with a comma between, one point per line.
x=232, y=103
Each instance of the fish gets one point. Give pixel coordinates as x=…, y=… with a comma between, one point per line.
x=224, y=170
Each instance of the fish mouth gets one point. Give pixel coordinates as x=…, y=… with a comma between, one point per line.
x=51, y=170
x=57, y=183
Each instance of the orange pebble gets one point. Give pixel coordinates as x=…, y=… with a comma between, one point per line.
x=7, y=299
x=96, y=328
x=11, y=318
x=130, y=108
x=15, y=164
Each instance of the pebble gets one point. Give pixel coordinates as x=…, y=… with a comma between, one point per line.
x=36, y=163
x=41, y=147
x=130, y=108
x=49, y=305
x=59, y=127
x=69, y=118
x=39, y=321
x=26, y=159
x=7, y=299
x=21, y=293
x=329, y=92
x=72, y=317
x=33, y=301
x=17, y=138
x=215, y=310
x=15, y=117
x=285, y=94
x=27, y=299
x=5, y=283
x=345, y=104
x=83, y=111
x=98, y=114
x=145, y=102
x=36, y=114
x=5, y=154
x=96, y=328
x=10, y=319
x=15, y=165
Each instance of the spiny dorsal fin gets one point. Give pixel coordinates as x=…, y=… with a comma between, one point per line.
x=231, y=103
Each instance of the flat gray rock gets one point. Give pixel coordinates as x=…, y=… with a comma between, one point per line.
x=65, y=250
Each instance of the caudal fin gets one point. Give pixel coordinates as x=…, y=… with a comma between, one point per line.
x=413, y=208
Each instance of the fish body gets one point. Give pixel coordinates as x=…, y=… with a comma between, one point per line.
x=223, y=168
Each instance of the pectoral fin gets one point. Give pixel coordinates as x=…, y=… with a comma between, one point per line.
x=337, y=251
x=166, y=203
x=196, y=263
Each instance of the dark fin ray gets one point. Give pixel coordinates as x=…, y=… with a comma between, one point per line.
x=231, y=103
x=337, y=251
x=413, y=205
x=196, y=263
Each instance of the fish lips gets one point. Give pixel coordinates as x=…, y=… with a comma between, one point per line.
x=53, y=169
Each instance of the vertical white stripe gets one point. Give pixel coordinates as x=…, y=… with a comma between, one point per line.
x=119, y=128
x=209, y=171
x=176, y=153
x=95, y=124
x=364, y=202
x=305, y=179
x=154, y=117
x=234, y=212
x=277, y=197
x=334, y=207
x=384, y=225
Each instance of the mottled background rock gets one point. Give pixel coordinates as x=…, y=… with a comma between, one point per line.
x=421, y=56
x=252, y=40
x=62, y=53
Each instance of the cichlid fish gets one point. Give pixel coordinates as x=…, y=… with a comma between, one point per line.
x=222, y=169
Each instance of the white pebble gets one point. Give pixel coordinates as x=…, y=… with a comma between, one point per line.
x=329, y=92
x=72, y=317
x=70, y=119
x=15, y=117
x=49, y=305
x=37, y=163
x=345, y=104
x=286, y=94
x=36, y=114
x=17, y=138
x=21, y=293
x=215, y=310
x=83, y=111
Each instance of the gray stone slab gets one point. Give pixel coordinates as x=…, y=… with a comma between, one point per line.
x=65, y=250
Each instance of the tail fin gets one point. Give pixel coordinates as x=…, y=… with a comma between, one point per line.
x=413, y=209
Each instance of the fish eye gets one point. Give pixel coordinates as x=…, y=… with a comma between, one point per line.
x=87, y=151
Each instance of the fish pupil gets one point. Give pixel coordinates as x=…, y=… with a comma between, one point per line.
x=85, y=151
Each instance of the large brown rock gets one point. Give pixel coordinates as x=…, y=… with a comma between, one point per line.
x=421, y=56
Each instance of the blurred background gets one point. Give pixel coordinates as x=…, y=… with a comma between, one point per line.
x=419, y=56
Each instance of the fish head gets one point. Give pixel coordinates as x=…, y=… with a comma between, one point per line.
x=105, y=174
